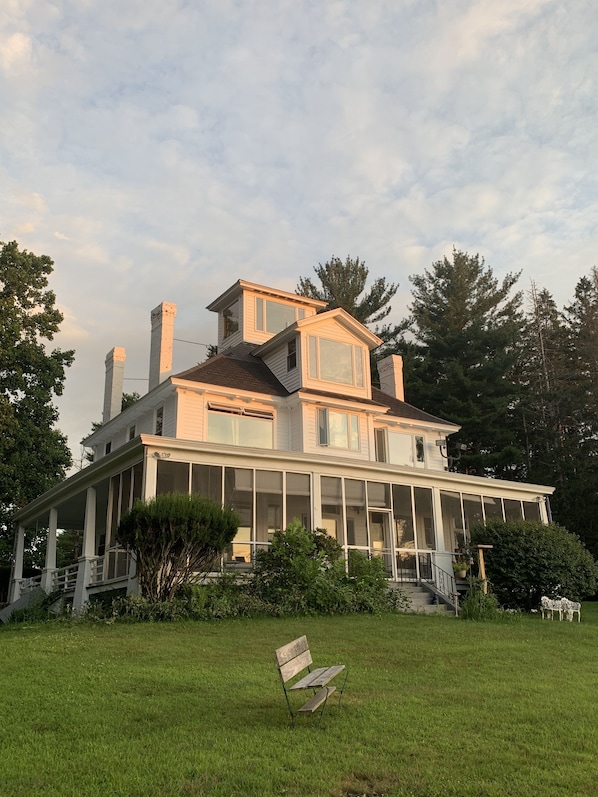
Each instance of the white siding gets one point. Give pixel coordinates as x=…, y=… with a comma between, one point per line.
x=277, y=363
x=190, y=416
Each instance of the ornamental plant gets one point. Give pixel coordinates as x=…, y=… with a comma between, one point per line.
x=174, y=537
x=529, y=559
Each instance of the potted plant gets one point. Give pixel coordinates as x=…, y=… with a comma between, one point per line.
x=460, y=567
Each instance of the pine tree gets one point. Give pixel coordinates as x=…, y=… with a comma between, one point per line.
x=459, y=362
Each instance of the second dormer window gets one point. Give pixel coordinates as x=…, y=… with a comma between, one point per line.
x=230, y=320
x=273, y=317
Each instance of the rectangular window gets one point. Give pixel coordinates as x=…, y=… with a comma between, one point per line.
x=400, y=448
x=357, y=530
x=159, y=421
x=424, y=518
x=273, y=316
x=237, y=427
x=380, y=441
x=335, y=361
x=531, y=510
x=107, y=448
x=292, y=354
x=338, y=429
x=420, y=451
x=268, y=504
x=132, y=432
x=493, y=508
x=230, y=320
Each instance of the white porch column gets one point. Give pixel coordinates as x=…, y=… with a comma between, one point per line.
x=150, y=476
x=14, y=592
x=50, y=566
x=87, y=552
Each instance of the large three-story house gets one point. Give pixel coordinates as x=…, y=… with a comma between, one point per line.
x=283, y=423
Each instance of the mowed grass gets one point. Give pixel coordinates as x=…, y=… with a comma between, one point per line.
x=434, y=706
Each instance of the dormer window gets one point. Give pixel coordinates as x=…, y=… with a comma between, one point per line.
x=292, y=354
x=273, y=317
x=333, y=361
x=230, y=319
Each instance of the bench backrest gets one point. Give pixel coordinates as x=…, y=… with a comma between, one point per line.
x=293, y=658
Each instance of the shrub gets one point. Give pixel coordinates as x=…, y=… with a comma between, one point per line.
x=173, y=537
x=529, y=559
x=477, y=605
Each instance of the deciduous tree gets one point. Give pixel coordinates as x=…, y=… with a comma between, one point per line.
x=33, y=454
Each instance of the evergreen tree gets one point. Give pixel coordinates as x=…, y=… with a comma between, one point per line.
x=344, y=285
x=465, y=328
x=33, y=454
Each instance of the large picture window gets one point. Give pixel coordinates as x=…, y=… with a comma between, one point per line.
x=334, y=361
x=240, y=427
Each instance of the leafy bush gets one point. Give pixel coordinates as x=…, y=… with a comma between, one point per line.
x=173, y=537
x=303, y=572
x=529, y=559
x=477, y=605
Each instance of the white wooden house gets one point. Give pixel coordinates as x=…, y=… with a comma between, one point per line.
x=283, y=423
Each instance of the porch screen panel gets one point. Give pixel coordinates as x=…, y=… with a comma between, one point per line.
x=298, y=496
x=268, y=498
x=102, y=495
x=512, y=509
x=207, y=480
x=424, y=518
x=403, y=516
x=531, y=510
x=172, y=477
x=125, y=491
x=452, y=520
x=332, y=507
x=493, y=508
x=472, y=511
x=357, y=532
x=238, y=494
x=379, y=495
x=137, y=481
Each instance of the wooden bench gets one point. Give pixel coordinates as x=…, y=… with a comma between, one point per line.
x=292, y=659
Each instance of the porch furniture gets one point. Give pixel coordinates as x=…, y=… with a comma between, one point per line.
x=292, y=660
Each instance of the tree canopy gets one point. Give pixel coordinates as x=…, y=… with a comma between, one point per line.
x=463, y=343
x=344, y=285
x=34, y=455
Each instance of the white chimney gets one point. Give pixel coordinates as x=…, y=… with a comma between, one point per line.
x=162, y=343
x=113, y=386
x=390, y=370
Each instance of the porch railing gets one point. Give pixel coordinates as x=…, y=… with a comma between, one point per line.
x=29, y=584
x=65, y=578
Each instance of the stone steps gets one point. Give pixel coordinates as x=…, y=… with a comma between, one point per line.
x=421, y=600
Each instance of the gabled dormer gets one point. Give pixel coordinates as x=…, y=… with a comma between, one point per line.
x=250, y=313
x=328, y=352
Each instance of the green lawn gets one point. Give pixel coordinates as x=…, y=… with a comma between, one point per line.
x=434, y=706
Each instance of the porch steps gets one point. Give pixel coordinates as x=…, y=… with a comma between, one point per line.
x=28, y=599
x=421, y=600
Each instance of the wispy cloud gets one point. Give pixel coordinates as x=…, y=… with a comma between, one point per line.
x=159, y=150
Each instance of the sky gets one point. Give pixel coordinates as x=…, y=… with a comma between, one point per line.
x=159, y=150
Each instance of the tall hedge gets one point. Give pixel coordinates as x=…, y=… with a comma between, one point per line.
x=529, y=559
x=174, y=536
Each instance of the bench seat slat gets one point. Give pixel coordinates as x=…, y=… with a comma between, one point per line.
x=318, y=677
x=316, y=701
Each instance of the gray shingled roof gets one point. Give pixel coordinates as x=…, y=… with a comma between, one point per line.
x=238, y=369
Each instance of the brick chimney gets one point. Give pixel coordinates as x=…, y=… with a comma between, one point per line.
x=390, y=370
x=113, y=385
x=162, y=343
